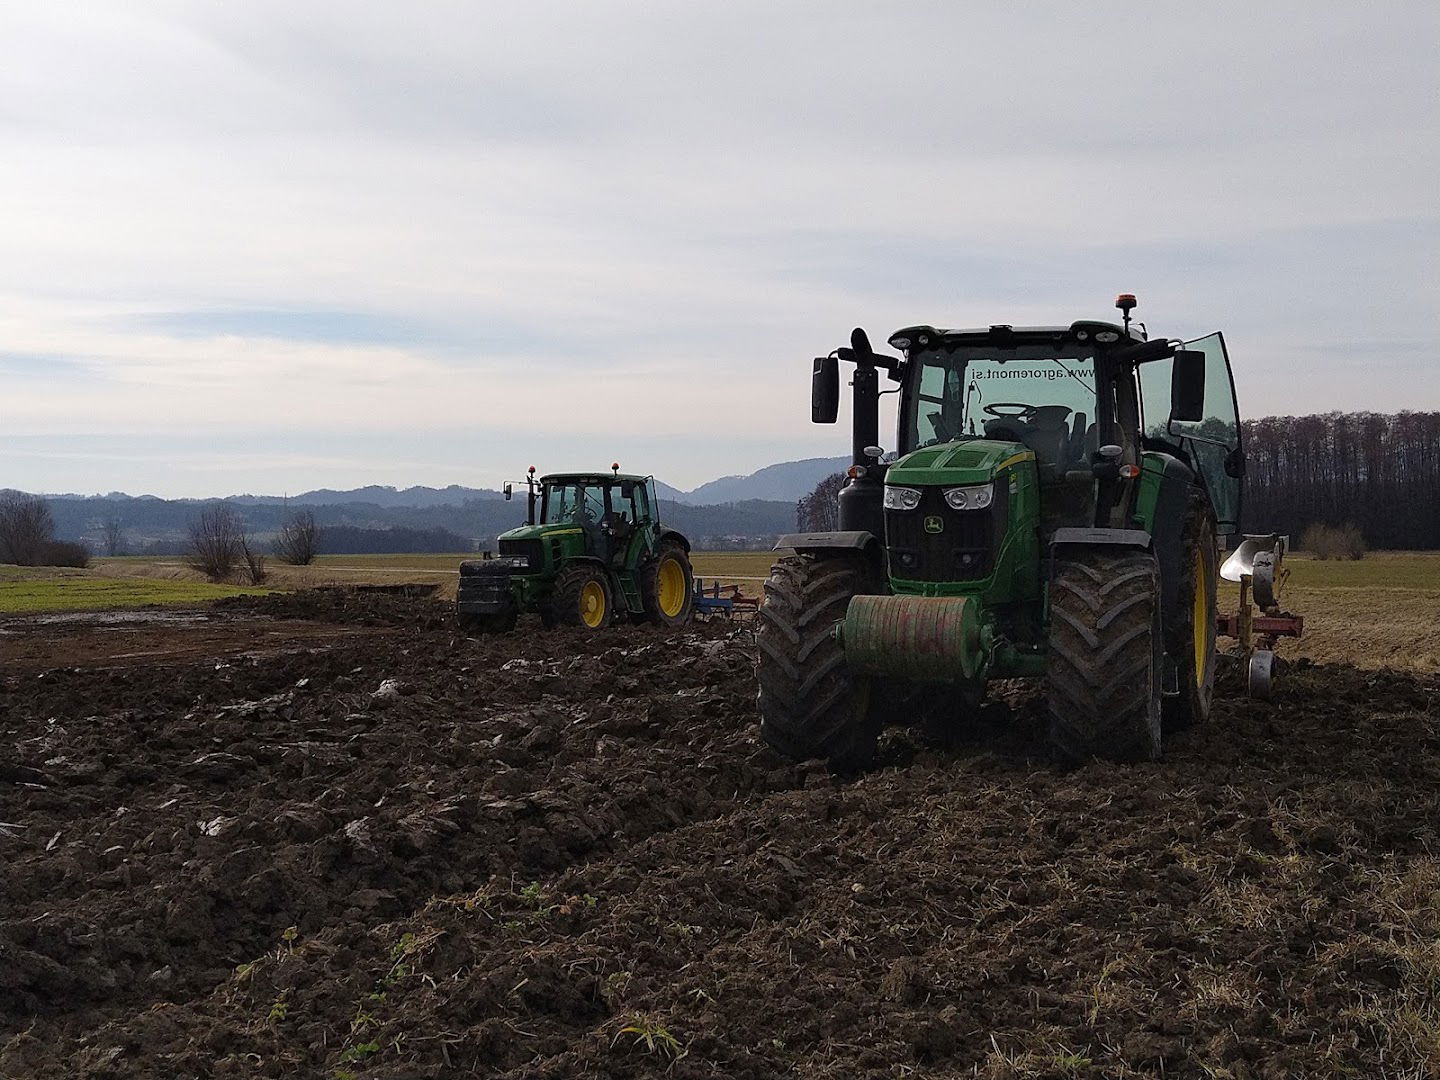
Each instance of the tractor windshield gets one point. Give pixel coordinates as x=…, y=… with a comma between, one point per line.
x=573, y=504
x=1045, y=402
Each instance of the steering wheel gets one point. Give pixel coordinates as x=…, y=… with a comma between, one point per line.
x=1018, y=410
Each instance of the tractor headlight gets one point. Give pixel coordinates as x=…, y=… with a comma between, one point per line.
x=515, y=562
x=969, y=498
x=901, y=498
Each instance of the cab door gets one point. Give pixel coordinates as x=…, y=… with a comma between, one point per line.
x=1213, y=443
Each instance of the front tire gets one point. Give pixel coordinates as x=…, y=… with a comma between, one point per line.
x=582, y=597
x=1104, y=654
x=810, y=704
x=667, y=586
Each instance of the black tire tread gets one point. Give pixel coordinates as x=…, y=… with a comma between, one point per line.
x=563, y=608
x=1103, y=665
x=810, y=705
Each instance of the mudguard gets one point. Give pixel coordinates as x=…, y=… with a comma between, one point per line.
x=827, y=541
x=1136, y=538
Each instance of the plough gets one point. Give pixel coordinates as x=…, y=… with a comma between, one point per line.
x=717, y=599
x=1258, y=565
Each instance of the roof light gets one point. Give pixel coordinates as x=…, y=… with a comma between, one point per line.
x=1082, y=335
x=1125, y=301
x=531, y=470
x=899, y=341
x=1106, y=336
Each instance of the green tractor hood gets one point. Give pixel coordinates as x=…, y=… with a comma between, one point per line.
x=538, y=532
x=974, y=461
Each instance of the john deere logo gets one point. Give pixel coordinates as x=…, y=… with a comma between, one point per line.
x=934, y=524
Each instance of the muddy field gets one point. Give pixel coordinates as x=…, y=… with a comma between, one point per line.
x=323, y=837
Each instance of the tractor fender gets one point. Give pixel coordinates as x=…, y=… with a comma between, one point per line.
x=671, y=534
x=863, y=543
x=1133, y=538
x=588, y=560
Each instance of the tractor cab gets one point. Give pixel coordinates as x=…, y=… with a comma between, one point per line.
x=592, y=550
x=613, y=512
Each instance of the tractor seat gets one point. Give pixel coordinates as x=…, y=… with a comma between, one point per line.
x=1009, y=430
x=1046, y=433
x=1049, y=437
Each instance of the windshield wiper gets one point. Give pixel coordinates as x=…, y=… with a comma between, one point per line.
x=1067, y=371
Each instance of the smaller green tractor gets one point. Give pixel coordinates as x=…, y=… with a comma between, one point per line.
x=592, y=552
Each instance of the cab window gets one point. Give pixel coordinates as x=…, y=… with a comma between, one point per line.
x=1211, y=444
x=573, y=504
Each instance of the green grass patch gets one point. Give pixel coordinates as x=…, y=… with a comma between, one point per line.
x=1377, y=570
x=728, y=565
x=39, y=594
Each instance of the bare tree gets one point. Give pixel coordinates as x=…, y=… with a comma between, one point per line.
x=26, y=527
x=298, y=541
x=820, y=510
x=216, y=541
x=114, y=534
x=254, y=561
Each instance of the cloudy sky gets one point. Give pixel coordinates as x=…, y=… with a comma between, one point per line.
x=267, y=247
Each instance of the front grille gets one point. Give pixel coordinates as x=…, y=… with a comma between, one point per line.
x=963, y=550
x=533, y=550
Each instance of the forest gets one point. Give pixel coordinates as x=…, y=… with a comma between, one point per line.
x=1378, y=472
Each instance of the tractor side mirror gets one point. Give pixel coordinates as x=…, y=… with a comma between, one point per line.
x=627, y=489
x=825, y=390
x=508, y=489
x=1187, y=386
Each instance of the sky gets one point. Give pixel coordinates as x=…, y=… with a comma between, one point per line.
x=268, y=247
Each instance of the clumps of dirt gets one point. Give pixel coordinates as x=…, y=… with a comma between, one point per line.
x=337, y=604
x=556, y=855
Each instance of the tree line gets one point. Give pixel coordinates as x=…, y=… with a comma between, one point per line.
x=1378, y=472
x=1375, y=473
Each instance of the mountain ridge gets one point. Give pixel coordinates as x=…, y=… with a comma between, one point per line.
x=785, y=481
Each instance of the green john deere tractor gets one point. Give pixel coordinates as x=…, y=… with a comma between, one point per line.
x=1052, y=510
x=596, y=553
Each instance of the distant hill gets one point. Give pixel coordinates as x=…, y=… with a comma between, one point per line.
x=149, y=523
x=728, y=512
x=378, y=495
x=785, y=482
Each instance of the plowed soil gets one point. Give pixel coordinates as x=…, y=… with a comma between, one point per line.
x=386, y=850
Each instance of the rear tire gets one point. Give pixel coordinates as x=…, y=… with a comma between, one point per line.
x=667, y=586
x=1105, y=653
x=1190, y=637
x=810, y=704
x=582, y=597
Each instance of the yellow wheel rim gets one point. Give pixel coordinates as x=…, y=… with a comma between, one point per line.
x=592, y=604
x=671, y=582
x=1200, y=617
